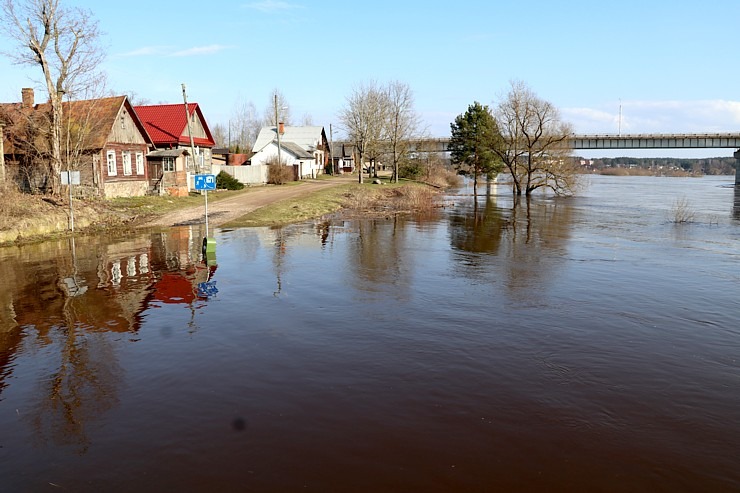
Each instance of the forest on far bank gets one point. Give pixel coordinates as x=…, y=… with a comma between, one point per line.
x=658, y=166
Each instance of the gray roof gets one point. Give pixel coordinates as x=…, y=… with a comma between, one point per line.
x=295, y=149
x=307, y=138
x=168, y=153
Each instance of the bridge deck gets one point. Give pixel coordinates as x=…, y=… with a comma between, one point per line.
x=655, y=141
x=624, y=141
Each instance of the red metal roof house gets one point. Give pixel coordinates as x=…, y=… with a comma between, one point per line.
x=170, y=164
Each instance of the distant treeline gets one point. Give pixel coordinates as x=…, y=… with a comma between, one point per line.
x=693, y=166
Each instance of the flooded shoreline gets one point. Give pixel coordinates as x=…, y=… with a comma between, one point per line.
x=579, y=344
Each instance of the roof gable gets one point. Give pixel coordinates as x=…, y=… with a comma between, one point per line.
x=89, y=122
x=167, y=124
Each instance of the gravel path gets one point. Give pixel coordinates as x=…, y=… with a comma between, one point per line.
x=223, y=211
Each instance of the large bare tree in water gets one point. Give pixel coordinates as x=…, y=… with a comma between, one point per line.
x=64, y=43
x=535, y=143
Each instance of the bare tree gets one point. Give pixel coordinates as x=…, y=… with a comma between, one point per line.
x=307, y=120
x=268, y=118
x=244, y=125
x=403, y=123
x=220, y=135
x=64, y=43
x=364, y=120
x=535, y=143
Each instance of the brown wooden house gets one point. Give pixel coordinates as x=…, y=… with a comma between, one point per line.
x=102, y=138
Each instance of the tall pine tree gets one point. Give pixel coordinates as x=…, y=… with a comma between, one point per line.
x=474, y=136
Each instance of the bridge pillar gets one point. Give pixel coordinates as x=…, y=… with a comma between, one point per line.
x=737, y=168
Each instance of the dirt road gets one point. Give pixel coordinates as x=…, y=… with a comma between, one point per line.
x=223, y=211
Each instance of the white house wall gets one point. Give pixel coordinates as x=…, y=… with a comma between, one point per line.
x=269, y=153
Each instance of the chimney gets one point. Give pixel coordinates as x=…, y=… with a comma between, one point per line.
x=281, y=128
x=27, y=97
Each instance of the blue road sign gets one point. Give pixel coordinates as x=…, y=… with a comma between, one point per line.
x=205, y=182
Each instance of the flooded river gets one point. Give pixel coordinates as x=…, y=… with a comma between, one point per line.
x=582, y=344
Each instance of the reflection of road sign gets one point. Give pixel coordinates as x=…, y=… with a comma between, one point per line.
x=205, y=182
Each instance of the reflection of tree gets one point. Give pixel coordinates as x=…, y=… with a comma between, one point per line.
x=83, y=385
x=736, y=204
x=526, y=240
x=379, y=253
x=535, y=240
x=478, y=230
x=81, y=388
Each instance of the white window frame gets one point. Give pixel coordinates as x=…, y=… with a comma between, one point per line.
x=168, y=162
x=139, y=163
x=126, y=158
x=111, y=162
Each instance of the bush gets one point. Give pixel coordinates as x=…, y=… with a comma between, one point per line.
x=279, y=174
x=228, y=182
x=411, y=170
x=682, y=211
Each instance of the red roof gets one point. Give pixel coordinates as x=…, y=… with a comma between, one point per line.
x=167, y=124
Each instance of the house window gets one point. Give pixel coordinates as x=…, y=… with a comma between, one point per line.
x=139, y=163
x=111, y=158
x=126, y=157
x=123, y=120
x=168, y=164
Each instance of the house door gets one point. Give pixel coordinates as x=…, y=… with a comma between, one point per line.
x=155, y=172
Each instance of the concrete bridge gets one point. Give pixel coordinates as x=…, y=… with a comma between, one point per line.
x=630, y=141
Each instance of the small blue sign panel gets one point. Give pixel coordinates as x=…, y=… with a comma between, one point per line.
x=205, y=182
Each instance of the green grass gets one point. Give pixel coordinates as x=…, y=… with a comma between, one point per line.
x=158, y=205
x=310, y=206
x=295, y=210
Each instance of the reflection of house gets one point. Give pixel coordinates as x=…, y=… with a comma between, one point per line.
x=304, y=147
x=103, y=138
x=171, y=129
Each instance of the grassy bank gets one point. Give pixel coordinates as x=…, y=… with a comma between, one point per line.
x=365, y=199
x=26, y=218
x=148, y=206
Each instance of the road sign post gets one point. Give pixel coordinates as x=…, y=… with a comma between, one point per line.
x=71, y=178
x=205, y=183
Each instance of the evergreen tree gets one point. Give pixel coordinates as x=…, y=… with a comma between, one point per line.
x=474, y=137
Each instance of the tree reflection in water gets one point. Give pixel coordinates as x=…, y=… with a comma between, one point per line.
x=514, y=243
x=67, y=307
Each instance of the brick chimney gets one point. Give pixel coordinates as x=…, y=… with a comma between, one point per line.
x=27, y=97
x=281, y=128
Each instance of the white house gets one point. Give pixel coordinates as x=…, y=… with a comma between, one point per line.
x=305, y=147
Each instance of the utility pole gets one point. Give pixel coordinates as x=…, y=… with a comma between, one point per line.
x=331, y=151
x=277, y=129
x=190, y=132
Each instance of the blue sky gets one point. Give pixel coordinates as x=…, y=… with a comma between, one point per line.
x=670, y=65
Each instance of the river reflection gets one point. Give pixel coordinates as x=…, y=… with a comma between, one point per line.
x=583, y=344
x=61, y=297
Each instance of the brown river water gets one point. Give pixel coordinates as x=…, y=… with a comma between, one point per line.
x=582, y=344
